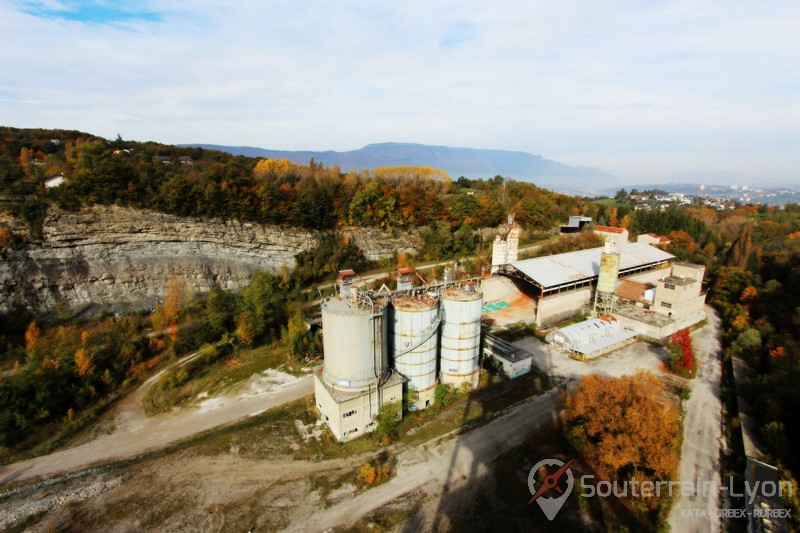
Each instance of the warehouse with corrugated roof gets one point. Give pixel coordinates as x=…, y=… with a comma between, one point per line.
x=592, y=337
x=562, y=285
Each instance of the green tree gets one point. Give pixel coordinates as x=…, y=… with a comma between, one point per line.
x=100, y=176
x=388, y=418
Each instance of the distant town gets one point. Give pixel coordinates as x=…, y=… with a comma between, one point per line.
x=716, y=196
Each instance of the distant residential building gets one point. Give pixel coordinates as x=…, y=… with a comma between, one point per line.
x=185, y=160
x=615, y=236
x=164, y=160
x=575, y=224
x=653, y=239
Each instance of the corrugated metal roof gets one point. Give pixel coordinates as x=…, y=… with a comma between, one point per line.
x=591, y=335
x=555, y=270
x=631, y=290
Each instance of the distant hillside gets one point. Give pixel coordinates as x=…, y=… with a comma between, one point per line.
x=469, y=162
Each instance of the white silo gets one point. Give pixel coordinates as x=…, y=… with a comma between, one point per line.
x=415, y=334
x=461, y=334
x=354, y=342
x=607, y=279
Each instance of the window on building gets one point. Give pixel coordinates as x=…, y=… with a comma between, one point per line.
x=349, y=413
x=666, y=304
x=350, y=431
x=669, y=286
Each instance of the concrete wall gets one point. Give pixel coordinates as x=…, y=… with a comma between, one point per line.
x=355, y=416
x=677, y=324
x=679, y=302
x=514, y=369
x=617, y=239
x=649, y=330
x=686, y=270
x=564, y=306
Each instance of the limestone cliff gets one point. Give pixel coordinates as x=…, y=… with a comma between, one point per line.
x=118, y=257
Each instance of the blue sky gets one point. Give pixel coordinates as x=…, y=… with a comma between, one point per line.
x=642, y=89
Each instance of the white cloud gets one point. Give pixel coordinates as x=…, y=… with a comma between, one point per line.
x=636, y=87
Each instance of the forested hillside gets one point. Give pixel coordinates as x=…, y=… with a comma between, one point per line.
x=197, y=182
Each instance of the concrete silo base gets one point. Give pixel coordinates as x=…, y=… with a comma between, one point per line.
x=351, y=414
x=425, y=399
x=458, y=381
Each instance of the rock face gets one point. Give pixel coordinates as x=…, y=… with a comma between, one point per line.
x=121, y=258
x=378, y=244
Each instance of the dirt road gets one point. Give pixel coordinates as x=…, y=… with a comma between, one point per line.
x=443, y=461
x=136, y=433
x=702, y=429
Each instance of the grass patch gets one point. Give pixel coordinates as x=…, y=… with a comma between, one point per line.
x=214, y=371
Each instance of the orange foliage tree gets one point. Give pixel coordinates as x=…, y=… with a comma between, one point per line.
x=84, y=365
x=682, y=239
x=623, y=427
x=173, y=300
x=32, y=336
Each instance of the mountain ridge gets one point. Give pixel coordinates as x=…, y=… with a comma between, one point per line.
x=456, y=161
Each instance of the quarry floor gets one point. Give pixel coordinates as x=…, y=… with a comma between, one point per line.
x=253, y=481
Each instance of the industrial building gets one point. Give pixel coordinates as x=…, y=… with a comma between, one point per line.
x=380, y=345
x=511, y=360
x=563, y=285
x=592, y=337
x=575, y=224
x=631, y=288
x=355, y=381
x=505, y=248
x=658, y=310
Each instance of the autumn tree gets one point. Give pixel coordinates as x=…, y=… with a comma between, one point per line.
x=681, y=239
x=682, y=358
x=84, y=365
x=5, y=238
x=173, y=300
x=614, y=220
x=25, y=156
x=32, y=334
x=623, y=426
x=295, y=336
x=245, y=330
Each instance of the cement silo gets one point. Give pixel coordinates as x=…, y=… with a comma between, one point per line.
x=461, y=334
x=354, y=339
x=415, y=326
x=607, y=278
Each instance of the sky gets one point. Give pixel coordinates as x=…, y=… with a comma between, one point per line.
x=645, y=90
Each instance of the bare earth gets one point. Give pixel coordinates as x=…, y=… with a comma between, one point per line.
x=135, y=433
